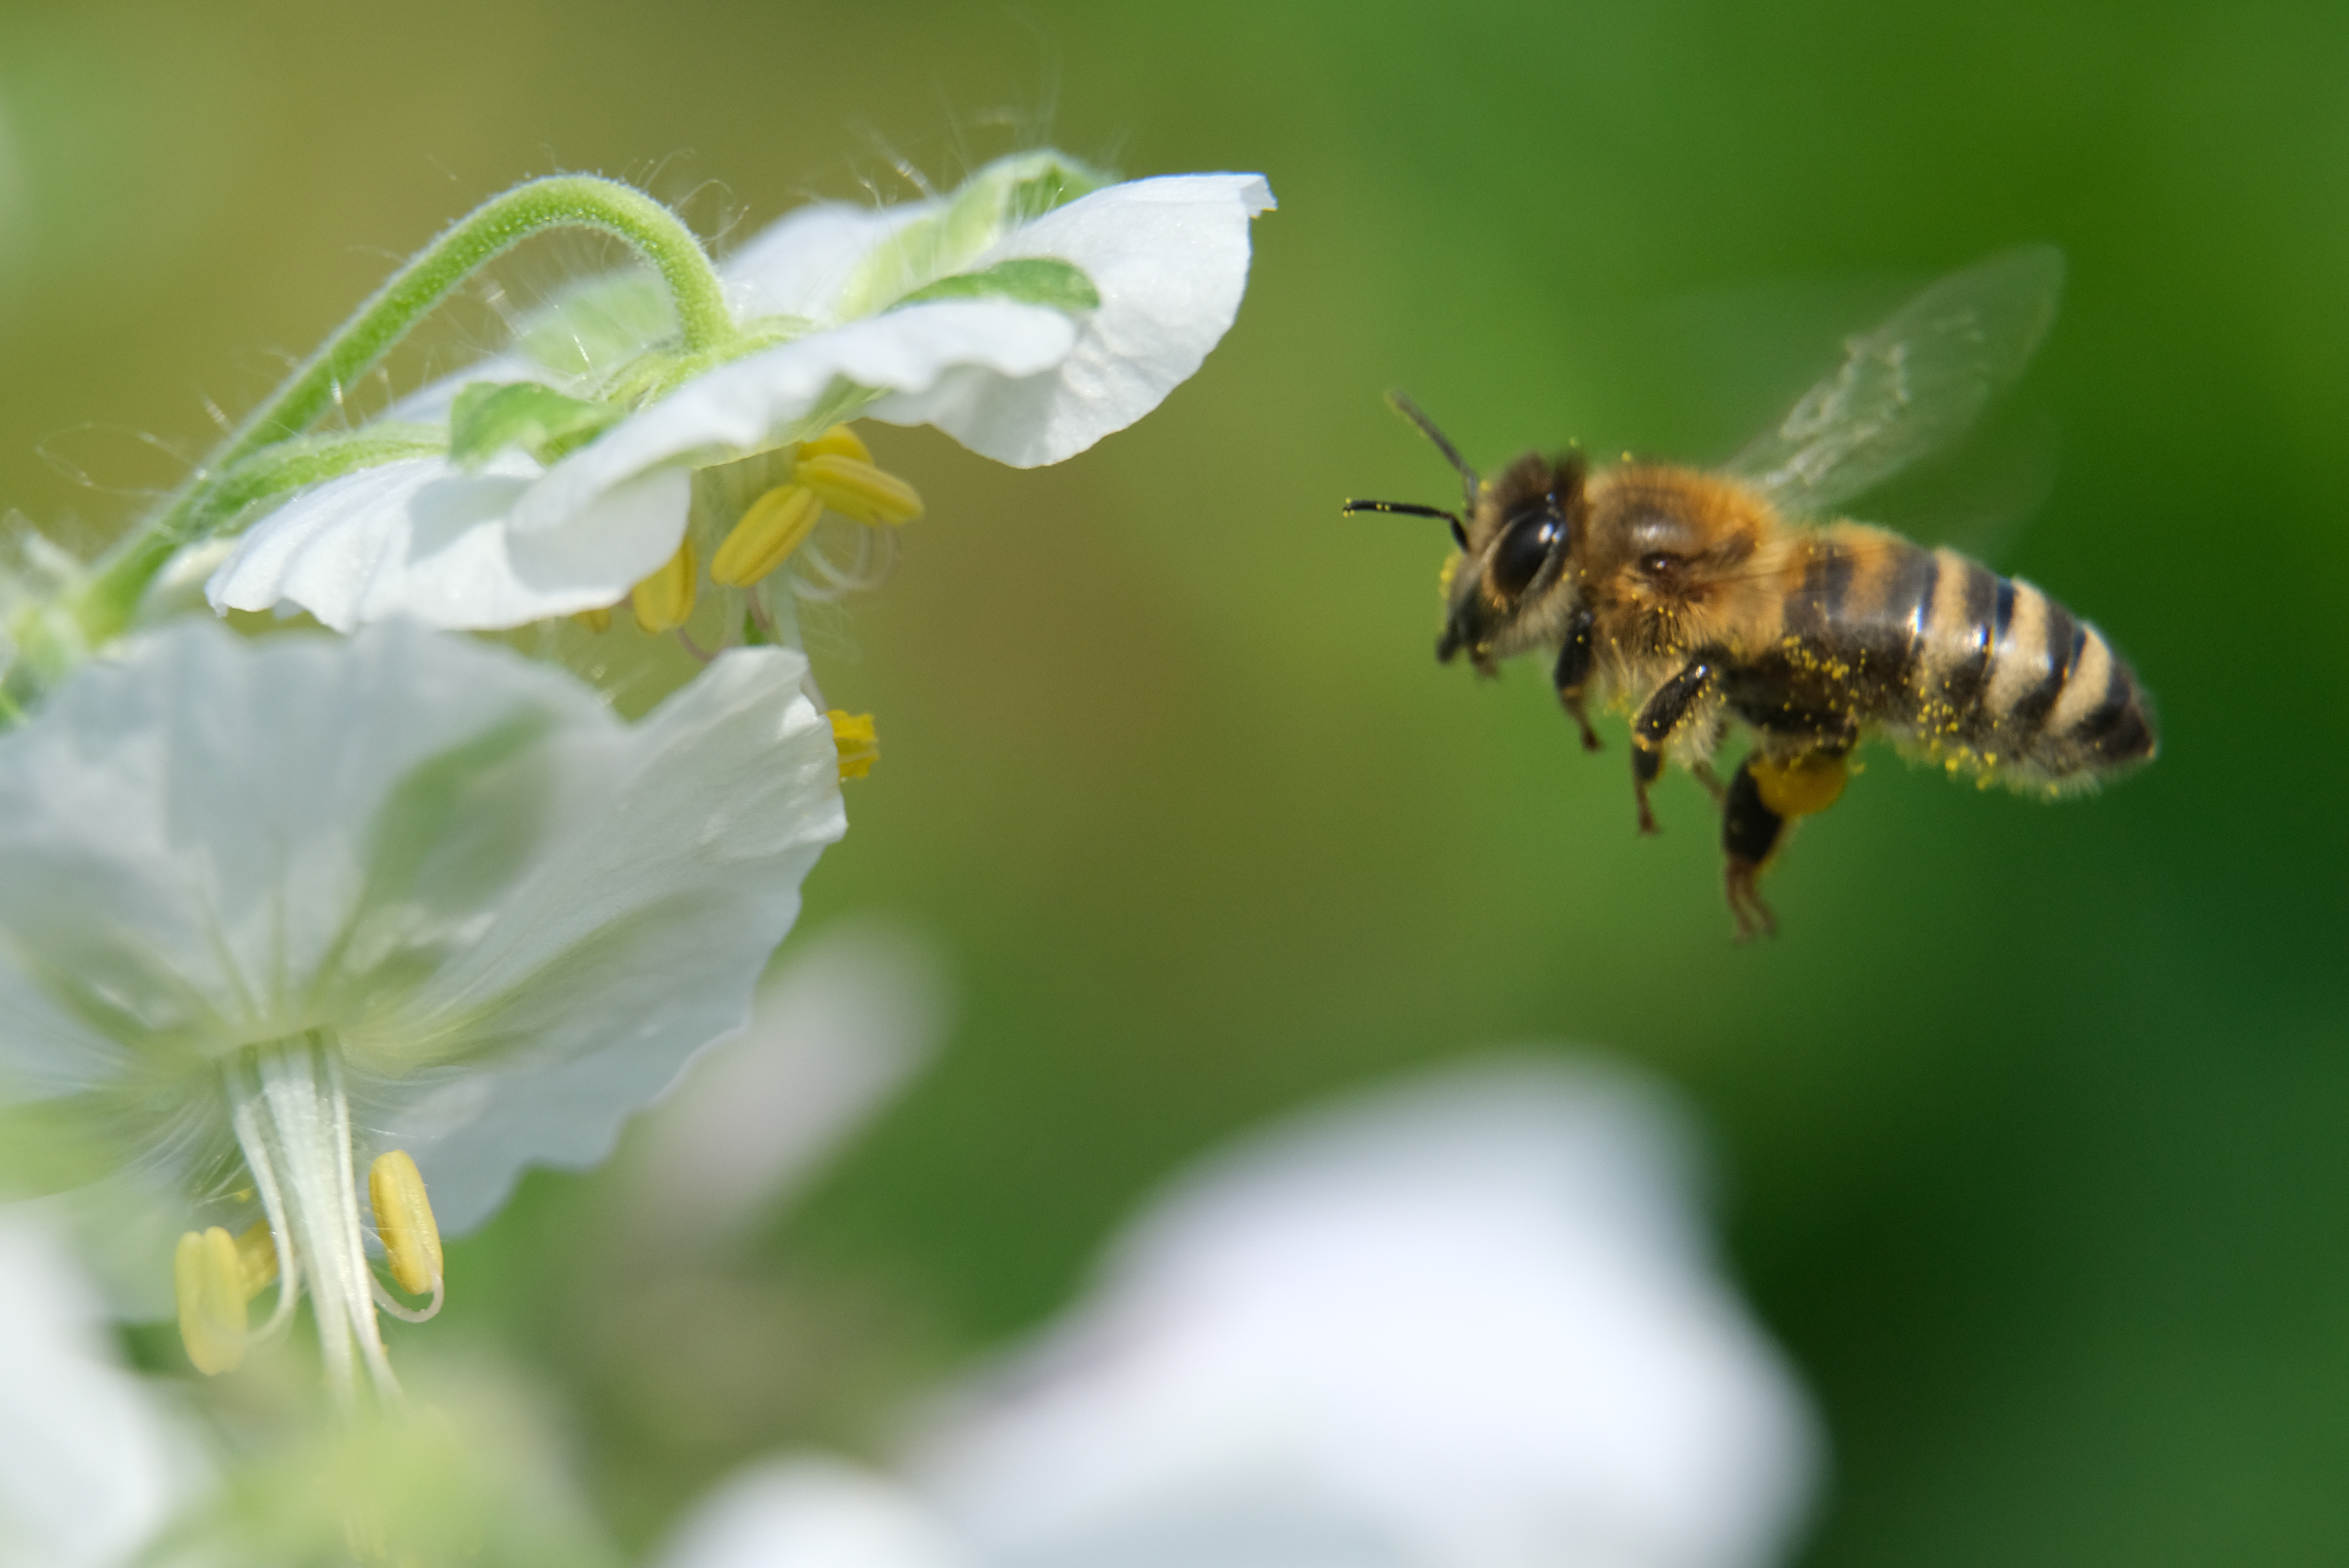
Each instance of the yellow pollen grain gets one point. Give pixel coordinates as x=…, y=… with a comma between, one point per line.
x=1800, y=786
x=776, y=524
x=857, y=490
x=664, y=600
x=209, y=1280
x=403, y=1219
x=858, y=742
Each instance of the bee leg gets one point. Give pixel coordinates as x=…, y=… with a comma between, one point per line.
x=1666, y=709
x=1703, y=774
x=1573, y=675
x=1749, y=836
x=1761, y=800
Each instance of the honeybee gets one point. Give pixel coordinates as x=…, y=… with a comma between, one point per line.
x=1703, y=600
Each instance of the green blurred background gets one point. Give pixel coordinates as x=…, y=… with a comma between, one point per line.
x=2032, y=1124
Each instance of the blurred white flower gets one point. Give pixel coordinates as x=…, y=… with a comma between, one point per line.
x=268, y=908
x=1472, y=1322
x=852, y=1014
x=90, y=1462
x=1024, y=323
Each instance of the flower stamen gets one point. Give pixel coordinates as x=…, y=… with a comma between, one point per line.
x=412, y=1242
x=664, y=600
x=859, y=490
x=208, y=1277
x=777, y=523
x=858, y=742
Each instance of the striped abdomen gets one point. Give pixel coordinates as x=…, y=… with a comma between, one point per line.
x=1984, y=670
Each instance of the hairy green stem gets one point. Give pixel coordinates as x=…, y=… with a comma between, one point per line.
x=567, y=201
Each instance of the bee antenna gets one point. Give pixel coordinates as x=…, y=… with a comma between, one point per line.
x=1402, y=405
x=1409, y=509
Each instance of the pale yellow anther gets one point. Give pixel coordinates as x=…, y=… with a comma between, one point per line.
x=777, y=523
x=837, y=441
x=208, y=1277
x=855, y=489
x=1801, y=785
x=859, y=744
x=595, y=619
x=664, y=600
x=256, y=1258
x=403, y=1219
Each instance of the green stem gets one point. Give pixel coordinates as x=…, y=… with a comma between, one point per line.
x=567, y=201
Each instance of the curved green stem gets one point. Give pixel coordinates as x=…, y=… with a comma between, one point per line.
x=564, y=200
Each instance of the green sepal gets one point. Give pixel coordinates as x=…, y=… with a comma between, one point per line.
x=1031, y=280
x=488, y=417
x=304, y=461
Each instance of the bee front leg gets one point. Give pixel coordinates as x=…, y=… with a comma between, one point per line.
x=1660, y=717
x=1573, y=674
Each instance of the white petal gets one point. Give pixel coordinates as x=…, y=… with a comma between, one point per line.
x=796, y=266
x=422, y=538
x=1467, y=1323
x=90, y=1462
x=1170, y=258
x=809, y=1513
x=201, y=841
x=749, y=405
x=666, y=868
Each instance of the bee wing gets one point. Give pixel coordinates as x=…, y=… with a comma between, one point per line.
x=1912, y=387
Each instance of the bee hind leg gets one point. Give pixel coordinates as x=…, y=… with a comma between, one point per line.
x=1750, y=831
x=1766, y=795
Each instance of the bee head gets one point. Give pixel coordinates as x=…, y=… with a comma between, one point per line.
x=1517, y=537
x=1513, y=583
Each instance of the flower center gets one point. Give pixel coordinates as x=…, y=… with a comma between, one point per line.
x=834, y=471
x=293, y=1126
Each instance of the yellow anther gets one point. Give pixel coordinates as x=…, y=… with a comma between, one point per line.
x=403, y=1219
x=595, y=619
x=209, y=1279
x=837, y=441
x=256, y=1258
x=855, y=489
x=858, y=742
x=1799, y=786
x=663, y=600
x=775, y=525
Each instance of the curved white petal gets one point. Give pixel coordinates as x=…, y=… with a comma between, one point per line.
x=667, y=869
x=1170, y=258
x=810, y=1512
x=517, y=914
x=423, y=537
x=754, y=403
x=798, y=264
x=1470, y=1322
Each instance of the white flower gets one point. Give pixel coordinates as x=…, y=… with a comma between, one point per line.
x=835, y=1033
x=266, y=908
x=1031, y=331
x=90, y=1462
x=1471, y=1324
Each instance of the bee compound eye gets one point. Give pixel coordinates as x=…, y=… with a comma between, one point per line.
x=1524, y=549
